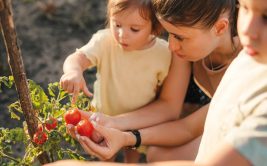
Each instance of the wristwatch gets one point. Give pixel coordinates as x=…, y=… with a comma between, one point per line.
x=137, y=135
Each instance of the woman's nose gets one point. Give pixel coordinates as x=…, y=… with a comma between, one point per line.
x=173, y=44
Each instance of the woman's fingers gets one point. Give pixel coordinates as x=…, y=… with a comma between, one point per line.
x=86, y=114
x=101, y=130
x=71, y=131
x=87, y=149
x=102, y=152
x=97, y=137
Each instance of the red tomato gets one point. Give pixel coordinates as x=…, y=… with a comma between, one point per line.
x=73, y=116
x=85, y=128
x=51, y=123
x=40, y=137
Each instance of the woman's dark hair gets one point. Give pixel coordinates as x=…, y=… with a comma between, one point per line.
x=192, y=12
x=145, y=8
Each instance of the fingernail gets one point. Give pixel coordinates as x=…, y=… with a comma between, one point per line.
x=68, y=126
x=92, y=117
x=93, y=123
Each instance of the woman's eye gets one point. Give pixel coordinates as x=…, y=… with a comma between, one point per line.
x=264, y=17
x=243, y=8
x=178, y=37
x=134, y=30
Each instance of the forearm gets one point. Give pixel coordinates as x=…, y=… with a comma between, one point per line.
x=75, y=62
x=175, y=132
x=152, y=114
x=169, y=104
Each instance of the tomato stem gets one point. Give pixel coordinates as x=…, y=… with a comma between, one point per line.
x=8, y=157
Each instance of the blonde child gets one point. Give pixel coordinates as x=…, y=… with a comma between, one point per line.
x=131, y=61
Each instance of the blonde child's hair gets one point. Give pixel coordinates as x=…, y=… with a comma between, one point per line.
x=145, y=9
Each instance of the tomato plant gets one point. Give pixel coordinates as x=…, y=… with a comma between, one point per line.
x=40, y=137
x=51, y=123
x=85, y=128
x=50, y=106
x=72, y=117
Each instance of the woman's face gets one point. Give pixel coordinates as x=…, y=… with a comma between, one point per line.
x=191, y=44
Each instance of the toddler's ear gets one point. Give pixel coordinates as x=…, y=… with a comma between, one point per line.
x=221, y=26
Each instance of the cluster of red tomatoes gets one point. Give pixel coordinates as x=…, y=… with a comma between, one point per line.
x=40, y=137
x=84, y=127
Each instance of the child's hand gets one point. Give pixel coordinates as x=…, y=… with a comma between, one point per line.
x=73, y=82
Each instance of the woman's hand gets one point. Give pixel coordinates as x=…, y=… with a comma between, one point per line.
x=104, y=120
x=113, y=141
x=72, y=131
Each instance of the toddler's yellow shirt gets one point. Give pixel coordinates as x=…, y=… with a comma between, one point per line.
x=125, y=80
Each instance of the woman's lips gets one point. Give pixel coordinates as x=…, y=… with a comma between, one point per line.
x=179, y=55
x=250, y=50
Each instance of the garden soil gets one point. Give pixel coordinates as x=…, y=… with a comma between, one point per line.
x=48, y=31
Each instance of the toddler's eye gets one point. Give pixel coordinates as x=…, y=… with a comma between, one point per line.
x=134, y=30
x=118, y=25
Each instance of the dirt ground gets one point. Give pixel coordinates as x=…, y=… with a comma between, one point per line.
x=48, y=31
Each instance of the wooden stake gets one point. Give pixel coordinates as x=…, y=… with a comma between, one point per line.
x=15, y=61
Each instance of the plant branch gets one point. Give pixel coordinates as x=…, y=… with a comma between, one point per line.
x=9, y=157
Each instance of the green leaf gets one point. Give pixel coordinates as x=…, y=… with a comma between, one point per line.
x=7, y=81
x=60, y=155
x=50, y=104
x=53, y=89
x=38, y=96
x=15, y=108
x=14, y=116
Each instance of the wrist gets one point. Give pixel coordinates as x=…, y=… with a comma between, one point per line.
x=75, y=70
x=117, y=123
x=130, y=139
x=137, y=139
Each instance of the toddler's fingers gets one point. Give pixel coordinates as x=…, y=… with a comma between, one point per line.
x=86, y=91
x=70, y=87
x=62, y=84
x=75, y=94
